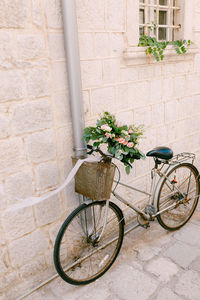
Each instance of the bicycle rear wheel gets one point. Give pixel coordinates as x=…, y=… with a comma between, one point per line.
x=180, y=192
x=79, y=256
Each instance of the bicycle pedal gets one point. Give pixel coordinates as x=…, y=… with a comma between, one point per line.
x=143, y=222
x=150, y=210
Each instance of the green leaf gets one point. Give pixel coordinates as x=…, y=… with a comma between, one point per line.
x=128, y=169
x=177, y=50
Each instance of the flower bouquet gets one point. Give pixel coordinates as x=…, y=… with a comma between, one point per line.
x=121, y=140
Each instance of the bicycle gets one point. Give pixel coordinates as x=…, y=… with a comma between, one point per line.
x=90, y=238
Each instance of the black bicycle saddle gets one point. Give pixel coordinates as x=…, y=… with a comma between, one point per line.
x=161, y=152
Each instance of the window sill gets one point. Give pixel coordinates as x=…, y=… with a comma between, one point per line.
x=136, y=55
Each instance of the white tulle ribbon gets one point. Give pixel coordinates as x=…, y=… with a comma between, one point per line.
x=67, y=180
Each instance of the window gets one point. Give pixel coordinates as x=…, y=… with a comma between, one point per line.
x=161, y=16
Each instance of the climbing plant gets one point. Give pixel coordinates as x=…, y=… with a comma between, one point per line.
x=156, y=48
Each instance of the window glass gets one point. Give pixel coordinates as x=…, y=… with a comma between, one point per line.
x=160, y=15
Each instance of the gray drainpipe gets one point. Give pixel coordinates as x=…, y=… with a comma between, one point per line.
x=74, y=74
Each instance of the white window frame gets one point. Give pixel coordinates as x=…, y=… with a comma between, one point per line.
x=151, y=13
x=184, y=18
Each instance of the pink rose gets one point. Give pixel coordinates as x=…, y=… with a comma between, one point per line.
x=121, y=140
x=130, y=131
x=125, y=143
x=130, y=145
x=107, y=135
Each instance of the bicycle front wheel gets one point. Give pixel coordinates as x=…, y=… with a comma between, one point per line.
x=86, y=247
x=178, y=196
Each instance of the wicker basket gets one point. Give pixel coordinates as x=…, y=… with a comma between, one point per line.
x=94, y=179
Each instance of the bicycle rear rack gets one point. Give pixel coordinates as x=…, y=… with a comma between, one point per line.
x=181, y=157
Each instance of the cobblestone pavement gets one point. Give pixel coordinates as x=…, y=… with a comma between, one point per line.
x=153, y=264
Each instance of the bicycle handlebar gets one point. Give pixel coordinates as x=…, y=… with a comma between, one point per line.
x=106, y=157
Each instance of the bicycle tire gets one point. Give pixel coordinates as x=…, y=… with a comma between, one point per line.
x=183, y=176
x=78, y=238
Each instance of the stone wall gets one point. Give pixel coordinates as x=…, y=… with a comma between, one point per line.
x=35, y=123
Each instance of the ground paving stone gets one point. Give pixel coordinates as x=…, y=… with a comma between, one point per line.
x=189, y=285
x=136, y=284
x=167, y=294
x=182, y=254
x=195, y=265
x=190, y=233
x=162, y=268
x=146, y=269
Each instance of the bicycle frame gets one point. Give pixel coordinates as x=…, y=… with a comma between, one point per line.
x=155, y=172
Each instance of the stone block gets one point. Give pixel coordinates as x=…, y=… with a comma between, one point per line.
x=122, y=99
x=136, y=284
x=162, y=268
x=117, y=44
x=33, y=268
x=13, y=85
x=132, y=18
x=8, y=280
x=182, y=254
x=31, y=46
x=14, y=13
x=125, y=117
x=37, y=13
x=197, y=63
x=168, y=69
x=4, y=127
x=48, y=211
x=4, y=261
x=115, y=17
x=32, y=116
x=27, y=247
x=102, y=44
x=53, y=13
x=38, y=82
x=86, y=45
x=156, y=90
x=90, y=15
x=195, y=265
x=161, y=135
x=92, y=72
x=46, y=175
x=86, y=101
x=189, y=233
x=171, y=111
x=139, y=94
x=56, y=46
x=3, y=201
x=103, y=99
x=158, y=114
x=17, y=222
x=19, y=186
x=61, y=108
x=129, y=74
x=168, y=88
x=12, y=156
x=111, y=70
x=179, y=86
x=7, y=50
x=167, y=294
x=143, y=116
x=193, y=84
x=146, y=72
x=41, y=146
x=185, y=107
x=65, y=142
x=60, y=80
x=188, y=286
